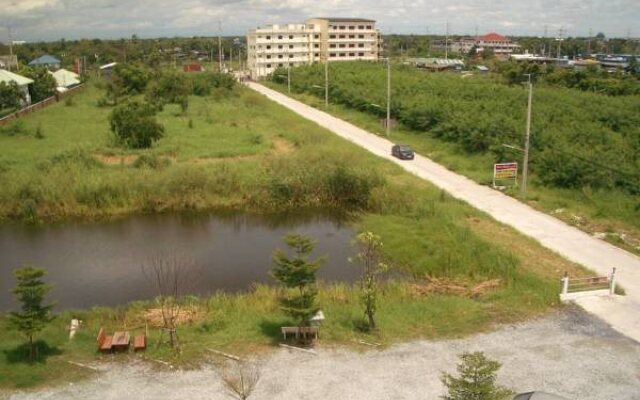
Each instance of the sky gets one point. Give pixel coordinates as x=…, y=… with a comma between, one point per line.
x=33, y=20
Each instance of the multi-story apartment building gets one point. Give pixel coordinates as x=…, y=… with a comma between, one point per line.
x=317, y=40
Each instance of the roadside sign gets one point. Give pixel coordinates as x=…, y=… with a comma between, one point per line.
x=505, y=172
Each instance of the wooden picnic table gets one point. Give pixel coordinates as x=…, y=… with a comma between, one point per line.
x=120, y=341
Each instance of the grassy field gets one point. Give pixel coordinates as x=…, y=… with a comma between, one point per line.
x=611, y=213
x=463, y=272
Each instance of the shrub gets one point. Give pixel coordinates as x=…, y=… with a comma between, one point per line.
x=134, y=124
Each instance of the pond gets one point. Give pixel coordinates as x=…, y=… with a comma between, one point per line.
x=93, y=264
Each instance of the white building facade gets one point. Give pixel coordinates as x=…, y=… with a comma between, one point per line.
x=317, y=40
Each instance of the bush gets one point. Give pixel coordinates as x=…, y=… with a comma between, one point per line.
x=134, y=125
x=151, y=161
x=349, y=190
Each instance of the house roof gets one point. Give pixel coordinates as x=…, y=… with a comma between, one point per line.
x=65, y=78
x=110, y=65
x=8, y=76
x=45, y=60
x=493, y=37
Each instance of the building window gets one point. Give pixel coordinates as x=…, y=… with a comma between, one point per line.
x=342, y=54
x=268, y=37
x=360, y=36
x=268, y=47
x=280, y=65
x=334, y=27
x=352, y=45
x=290, y=55
x=268, y=55
x=290, y=36
x=268, y=66
x=332, y=36
x=316, y=45
x=342, y=27
x=279, y=37
x=332, y=54
x=279, y=55
x=361, y=27
x=341, y=37
x=279, y=46
x=352, y=36
x=360, y=44
x=317, y=54
x=352, y=54
x=291, y=46
x=360, y=54
x=316, y=36
x=332, y=45
x=368, y=26
x=342, y=45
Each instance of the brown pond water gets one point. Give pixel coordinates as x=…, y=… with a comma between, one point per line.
x=101, y=263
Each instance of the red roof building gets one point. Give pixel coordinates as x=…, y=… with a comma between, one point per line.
x=501, y=45
x=193, y=68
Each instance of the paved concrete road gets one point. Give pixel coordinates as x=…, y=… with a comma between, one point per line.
x=622, y=313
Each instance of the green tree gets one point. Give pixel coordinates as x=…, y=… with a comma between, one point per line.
x=11, y=96
x=477, y=379
x=34, y=316
x=44, y=84
x=298, y=275
x=134, y=124
x=130, y=78
x=370, y=256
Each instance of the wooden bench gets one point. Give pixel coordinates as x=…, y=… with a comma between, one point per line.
x=288, y=330
x=307, y=331
x=139, y=343
x=104, y=341
x=302, y=331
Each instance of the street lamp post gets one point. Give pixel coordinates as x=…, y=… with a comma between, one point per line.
x=326, y=83
x=525, y=167
x=388, y=96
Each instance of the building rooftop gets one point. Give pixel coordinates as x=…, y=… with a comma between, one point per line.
x=45, y=60
x=332, y=19
x=8, y=76
x=493, y=37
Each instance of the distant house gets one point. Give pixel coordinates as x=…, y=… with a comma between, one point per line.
x=8, y=62
x=500, y=45
x=437, y=64
x=46, y=61
x=193, y=68
x=65, y=79
x=23, y=82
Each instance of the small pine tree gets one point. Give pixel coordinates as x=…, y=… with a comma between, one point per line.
x=298, y=275
x=34, y=316
x=477, y=379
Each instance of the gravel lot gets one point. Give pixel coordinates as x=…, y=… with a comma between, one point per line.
x=570, y=353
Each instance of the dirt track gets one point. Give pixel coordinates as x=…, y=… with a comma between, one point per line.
x=569, y=353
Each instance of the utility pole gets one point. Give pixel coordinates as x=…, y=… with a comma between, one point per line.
x=10, y=48
x=589, y=41
x=219, y=46
x=388, y=95
x=326, y=82
x=525, y=167
x=544, y=41
x=560, y=39
x=446, y=42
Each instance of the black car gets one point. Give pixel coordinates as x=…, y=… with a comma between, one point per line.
x=402, y=151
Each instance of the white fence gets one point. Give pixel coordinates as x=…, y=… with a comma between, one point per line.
x=575, y=288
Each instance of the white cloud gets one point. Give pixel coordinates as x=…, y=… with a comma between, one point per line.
x=52, y=19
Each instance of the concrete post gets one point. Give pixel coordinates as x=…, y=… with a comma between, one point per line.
x=612, y=282
x=565, y=284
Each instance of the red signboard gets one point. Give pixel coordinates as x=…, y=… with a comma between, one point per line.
x=504, y=171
